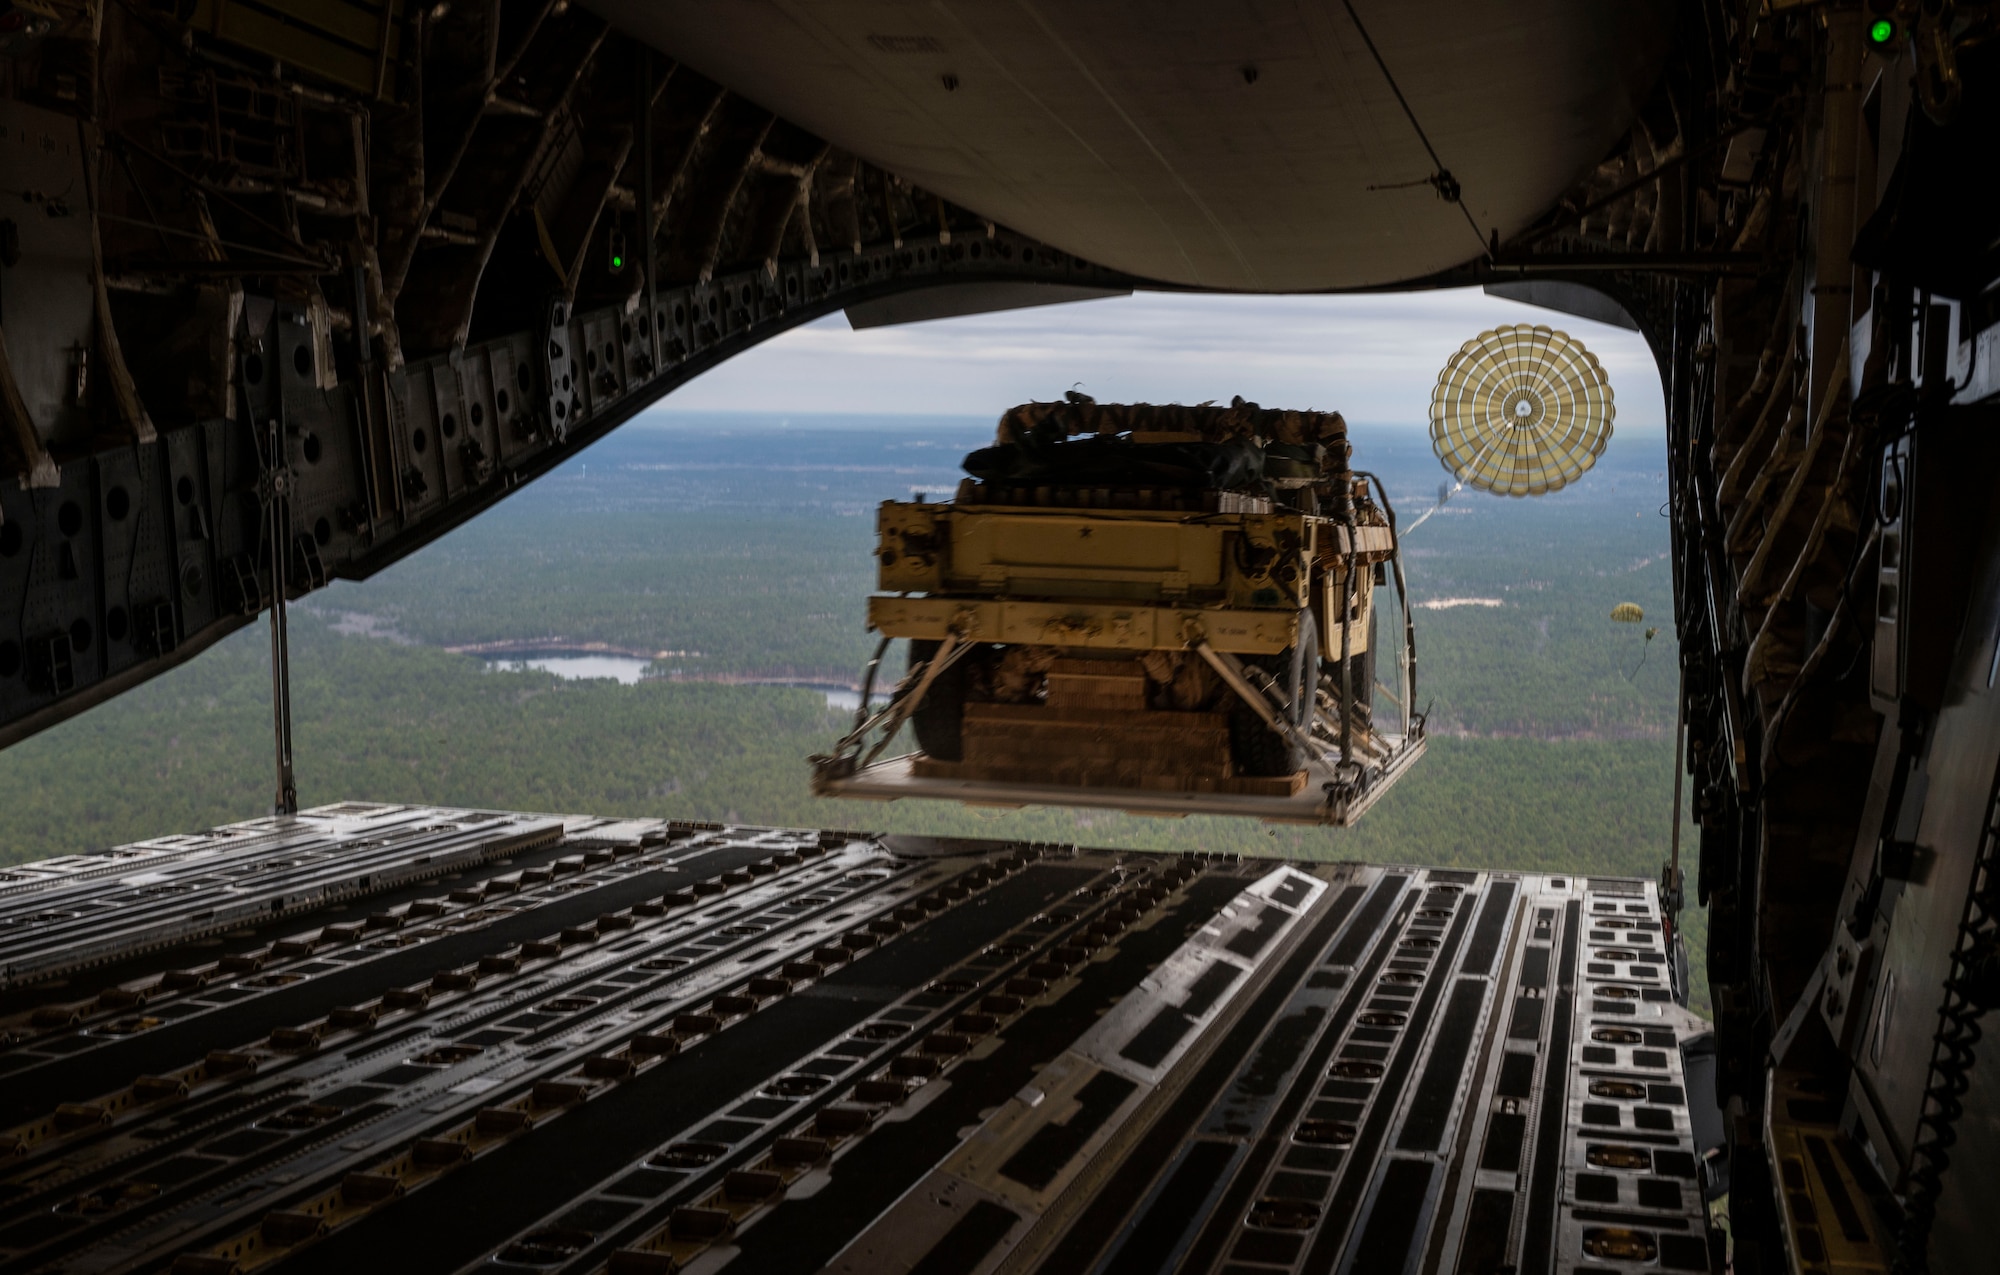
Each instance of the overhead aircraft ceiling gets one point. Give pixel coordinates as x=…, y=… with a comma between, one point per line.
x=1215, y=145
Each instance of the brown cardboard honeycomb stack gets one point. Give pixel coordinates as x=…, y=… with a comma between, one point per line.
x=1095, y=731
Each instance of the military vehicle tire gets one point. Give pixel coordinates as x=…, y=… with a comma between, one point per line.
x=939, y=721
x=1255, y=748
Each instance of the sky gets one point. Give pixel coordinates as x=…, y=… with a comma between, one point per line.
x=1373, y=358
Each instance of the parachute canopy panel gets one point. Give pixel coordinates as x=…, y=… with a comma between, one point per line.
x=1520, y=411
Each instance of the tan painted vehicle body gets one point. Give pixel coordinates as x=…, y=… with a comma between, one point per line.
x=1120, y=580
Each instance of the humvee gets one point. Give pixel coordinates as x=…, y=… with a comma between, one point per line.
x=1157, y=608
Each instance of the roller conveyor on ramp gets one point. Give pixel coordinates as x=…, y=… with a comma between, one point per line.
x=643, y=1046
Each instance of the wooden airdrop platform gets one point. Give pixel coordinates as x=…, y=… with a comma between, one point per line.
x=1310, y=803
x=1094, y=742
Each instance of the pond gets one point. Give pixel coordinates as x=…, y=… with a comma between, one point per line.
x=623, y=669
x=628, y=671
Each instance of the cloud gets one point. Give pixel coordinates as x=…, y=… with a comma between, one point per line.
x=1374, y=357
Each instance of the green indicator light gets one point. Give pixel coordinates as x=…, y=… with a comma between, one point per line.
x=618, y=263
x=1882, y=31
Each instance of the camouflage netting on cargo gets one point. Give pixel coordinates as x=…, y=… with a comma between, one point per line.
x=1080, y=414
x=1079, y=442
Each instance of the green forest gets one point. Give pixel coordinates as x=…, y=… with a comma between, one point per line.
x=742, y=544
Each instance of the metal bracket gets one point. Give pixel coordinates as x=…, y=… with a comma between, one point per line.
x=842, y=761
x=1231, y=671
x=559, y=367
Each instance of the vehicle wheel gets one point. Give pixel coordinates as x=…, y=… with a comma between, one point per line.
x=939, y=721
x=1255, y=748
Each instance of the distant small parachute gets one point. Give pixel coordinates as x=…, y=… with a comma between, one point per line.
x=1632, y=613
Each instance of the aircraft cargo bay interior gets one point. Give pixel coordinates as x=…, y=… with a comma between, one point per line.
x=959, y=638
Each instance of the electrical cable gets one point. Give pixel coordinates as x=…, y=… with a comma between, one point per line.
x=1953, y=1048
x=1440, y=180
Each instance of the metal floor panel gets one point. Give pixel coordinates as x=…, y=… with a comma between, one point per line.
x=567, y=1044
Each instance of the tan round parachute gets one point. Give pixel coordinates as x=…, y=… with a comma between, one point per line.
x=1520, y=411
